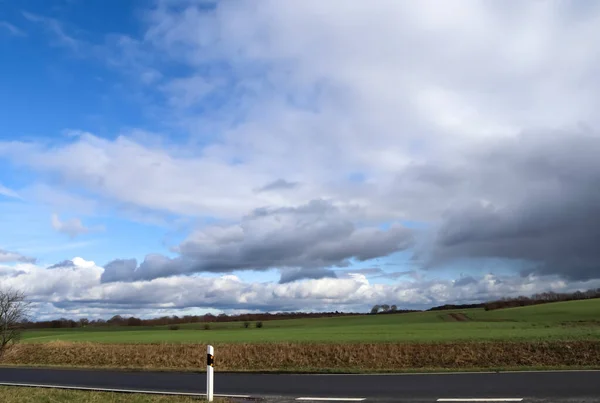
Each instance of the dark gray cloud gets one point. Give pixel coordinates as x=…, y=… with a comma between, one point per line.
x=538, y=200
x=9, y=257
x=279, y=184
x=290, y=275
x=311, y=236
x=10, y=272
x=464, y=281
x=64, y=263
x=119, y=270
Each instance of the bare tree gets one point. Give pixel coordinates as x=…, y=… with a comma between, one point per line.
x=14, y=308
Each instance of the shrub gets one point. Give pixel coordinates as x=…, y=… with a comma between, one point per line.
x=259, y=325
x=14, y=308
x=174, y=327
x=206, y=326
x=246, y=325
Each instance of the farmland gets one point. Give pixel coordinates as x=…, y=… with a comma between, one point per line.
x=556, y=335
x=575, y=320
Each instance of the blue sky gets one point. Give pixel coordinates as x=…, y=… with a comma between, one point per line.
x=56, y=87
x=294, y=155
x=56, y=73
x=50, y=75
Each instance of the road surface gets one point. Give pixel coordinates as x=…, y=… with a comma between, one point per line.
x=549, y=386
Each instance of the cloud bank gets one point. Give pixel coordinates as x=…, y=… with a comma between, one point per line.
x=76, y=289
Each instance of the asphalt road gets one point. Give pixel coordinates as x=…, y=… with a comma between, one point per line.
x=551, y=386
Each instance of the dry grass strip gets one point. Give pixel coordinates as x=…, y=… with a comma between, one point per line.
x=43, y=395
x=310, y=357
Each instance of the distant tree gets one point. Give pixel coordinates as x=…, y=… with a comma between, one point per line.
x=173, y=327
x=375, y=309
x=83, y=322
x=246, y=324
x=393, y=308
x=133, y=321
x=206, y=326
x=259, y=324
x=115, y=320
x=14, y=307
x=385, y=307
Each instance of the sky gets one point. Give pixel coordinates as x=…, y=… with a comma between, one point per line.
x=182, y=157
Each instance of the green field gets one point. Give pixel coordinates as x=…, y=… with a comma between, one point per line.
x=575, y=320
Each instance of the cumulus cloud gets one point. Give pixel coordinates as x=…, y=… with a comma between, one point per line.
x=77, y=290
x=53, y=291
x=314, y=234
x=7, y=256
x=304, y=238
x=56, y=285
x=73, y=227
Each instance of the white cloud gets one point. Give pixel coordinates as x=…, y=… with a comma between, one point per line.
x=73, y=227
x=8, y=256
x=327, y=90
x=75, y=290
x=58, y=199
x=4, y=191
x=185, y=92
x=55, y=27
x=13, y=30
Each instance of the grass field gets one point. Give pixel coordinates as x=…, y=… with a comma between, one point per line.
x=575, y=320
x=44, y=395
x=558, y=335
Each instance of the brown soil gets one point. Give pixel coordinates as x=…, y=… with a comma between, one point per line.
x=459, y=317
x=309, y=357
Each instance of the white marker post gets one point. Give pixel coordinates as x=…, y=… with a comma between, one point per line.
x=210, y=362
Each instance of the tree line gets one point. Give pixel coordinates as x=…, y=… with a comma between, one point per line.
x=508, y=302
x=119, y=320
x=541, y=298
x=385, y=308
